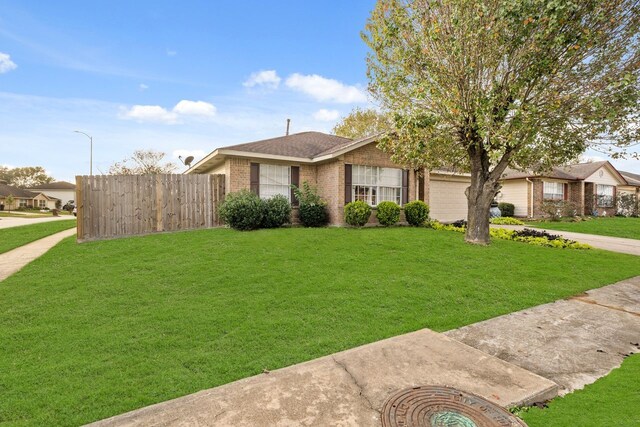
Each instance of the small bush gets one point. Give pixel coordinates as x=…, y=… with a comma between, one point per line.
x=243, y=210
x=277, y=212
x=313, y=210
x=557, y=209
x=627, y=205
x=506, y=220
x=388, y=213
x=416, y=212
x=506, y=209
x=357, y=213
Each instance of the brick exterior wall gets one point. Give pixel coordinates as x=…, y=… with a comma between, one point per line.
x=327, y=177
x=589, y=198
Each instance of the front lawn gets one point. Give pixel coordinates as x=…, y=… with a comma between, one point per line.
x=611, y=401
x=125, y=323
x=11, y=238
x=612, y=226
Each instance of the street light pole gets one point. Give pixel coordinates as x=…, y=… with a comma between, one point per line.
x=90, y=152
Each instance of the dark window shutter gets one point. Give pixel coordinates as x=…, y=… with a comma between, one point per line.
x=566, y=191
x=405, y=186
x=421, y=186
x=254, y=178
x=295, y=180
x=347, y=184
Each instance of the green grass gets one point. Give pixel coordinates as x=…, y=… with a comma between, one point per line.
x=612, y=226
x=13, y=237
x=611, y=401
x=125, y=323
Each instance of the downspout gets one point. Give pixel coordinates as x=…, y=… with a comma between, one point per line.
x=530, y=197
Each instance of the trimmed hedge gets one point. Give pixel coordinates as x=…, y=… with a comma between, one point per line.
x=313, y=210
x=243, y=210
x=506, y=220
x=357, y=213
x=388, y=213
x=506, y=209
x=277, y=212
x=416, y=212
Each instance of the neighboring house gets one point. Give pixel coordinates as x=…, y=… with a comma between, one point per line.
x=342, y=169
x=633, y=183
x=24, y=198
x=591, y=187
x=62, y=190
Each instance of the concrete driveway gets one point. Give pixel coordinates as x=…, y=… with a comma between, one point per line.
x=613, y=244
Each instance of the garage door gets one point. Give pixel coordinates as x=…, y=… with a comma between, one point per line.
x=447, y=200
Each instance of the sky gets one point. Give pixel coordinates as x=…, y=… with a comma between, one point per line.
x=180, y=77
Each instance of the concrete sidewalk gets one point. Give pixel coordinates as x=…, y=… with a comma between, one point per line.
x=572, y=342
x=614, y=244
x=14, y=260
x=348, y=388
x=10, y=221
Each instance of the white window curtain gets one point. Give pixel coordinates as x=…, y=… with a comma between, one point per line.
x=553, y=190
x=373, y=184
x=275, y=179
x=604, y=194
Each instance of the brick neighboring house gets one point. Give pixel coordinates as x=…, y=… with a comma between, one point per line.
x=24, y=198
x=342, y=169
x=592, y=187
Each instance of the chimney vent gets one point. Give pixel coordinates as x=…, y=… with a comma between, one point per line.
x=288, y=123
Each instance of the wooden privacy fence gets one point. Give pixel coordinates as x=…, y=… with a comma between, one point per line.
x=126, y=205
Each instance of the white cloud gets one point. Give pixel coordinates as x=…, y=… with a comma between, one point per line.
x=323, y=89
x=142, y=87
x=194, y=108
x=171, y=52
x=6, y=64
x=265, y=78
x=158, y=114
x=149, y=113
x=326, y=115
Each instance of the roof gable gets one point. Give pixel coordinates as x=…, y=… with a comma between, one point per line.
x=57, y=185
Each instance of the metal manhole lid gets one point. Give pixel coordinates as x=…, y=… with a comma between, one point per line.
x=436, y=406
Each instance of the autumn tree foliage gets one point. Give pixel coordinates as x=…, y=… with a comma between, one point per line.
x=361, y=123
x=143, y=162
x=492, y=84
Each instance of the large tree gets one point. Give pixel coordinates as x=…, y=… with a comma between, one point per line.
x=143, y=162
x=360, y=123
x=25, y=177
x=492, y=84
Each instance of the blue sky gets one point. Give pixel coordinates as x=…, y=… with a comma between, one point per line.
x=180, y=77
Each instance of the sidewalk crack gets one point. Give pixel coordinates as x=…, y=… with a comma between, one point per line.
x=357, y=384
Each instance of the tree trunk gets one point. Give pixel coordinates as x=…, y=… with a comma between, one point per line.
x=484, y=186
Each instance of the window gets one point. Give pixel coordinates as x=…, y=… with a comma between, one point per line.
x=553, y=191
x=42, y=203
x=373, y=185
x=275, y=179
x=22, y=203
x=604, y=195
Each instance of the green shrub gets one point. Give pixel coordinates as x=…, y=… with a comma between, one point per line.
x=357, y=213
x=277, y=212
x=416, y=212
x=505, y=220
x=313, y=210
x=243, y=210
x=506, y=209
x=388, y=213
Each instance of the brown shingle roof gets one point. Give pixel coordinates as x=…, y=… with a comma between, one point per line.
x=6, y=190
x=582, y=170
x=58, y=185
x=304, y=144
x=631, y=178
x=555, y=172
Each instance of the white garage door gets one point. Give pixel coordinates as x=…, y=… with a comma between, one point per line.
x=447, y=201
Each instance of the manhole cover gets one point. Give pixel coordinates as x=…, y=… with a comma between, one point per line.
x=432, y=406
